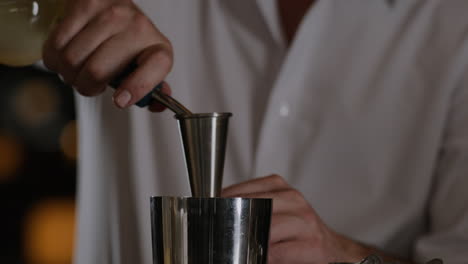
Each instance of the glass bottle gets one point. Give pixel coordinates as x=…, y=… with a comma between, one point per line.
x=24, y=26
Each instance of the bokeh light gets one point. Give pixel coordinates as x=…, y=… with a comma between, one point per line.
x=68, y=140
x=11, y=157
x=35, y=108
x=36, y=102
x=49, y=232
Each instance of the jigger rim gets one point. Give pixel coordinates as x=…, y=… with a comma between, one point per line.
x=204, y=115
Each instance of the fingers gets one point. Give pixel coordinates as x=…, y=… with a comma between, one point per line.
x=93, y=35
x=284, y=201
x=93, y=44
x=297, y=234
x=77, y=14
x=106, y=62
x=153, y=65
x=260, y=185
x=285, y=198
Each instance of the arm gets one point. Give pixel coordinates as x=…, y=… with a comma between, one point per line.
x=297, y=232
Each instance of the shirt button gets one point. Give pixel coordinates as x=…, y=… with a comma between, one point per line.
x=284, y=110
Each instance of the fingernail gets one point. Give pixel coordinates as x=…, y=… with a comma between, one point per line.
x=123, y=98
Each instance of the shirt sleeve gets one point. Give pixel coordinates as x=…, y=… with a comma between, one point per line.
x=447, y=236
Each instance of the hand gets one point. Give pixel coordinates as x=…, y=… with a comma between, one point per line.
x=97, y=39
x=297, y=233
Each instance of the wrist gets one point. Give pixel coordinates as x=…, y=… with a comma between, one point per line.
x=352, y=251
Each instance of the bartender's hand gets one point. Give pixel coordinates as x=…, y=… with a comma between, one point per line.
x=95, y=41
x=298, y=235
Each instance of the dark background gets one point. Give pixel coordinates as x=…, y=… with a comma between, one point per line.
x=37, y=167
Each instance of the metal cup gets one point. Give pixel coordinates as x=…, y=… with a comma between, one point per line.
x=210, y=230
x=204, y=141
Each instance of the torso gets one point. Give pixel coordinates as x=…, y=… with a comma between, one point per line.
x=350, y=113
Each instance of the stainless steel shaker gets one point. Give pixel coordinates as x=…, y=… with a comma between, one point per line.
x=210, y=230
x=207, y=229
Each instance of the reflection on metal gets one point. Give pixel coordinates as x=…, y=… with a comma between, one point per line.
x=210, y=230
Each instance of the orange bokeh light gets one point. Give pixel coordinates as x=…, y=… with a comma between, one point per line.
x=11, y=156
x=49, y=232
x=36, y=102
x=68, y=140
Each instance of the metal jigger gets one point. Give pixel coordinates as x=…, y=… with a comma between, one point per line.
x=204, y=142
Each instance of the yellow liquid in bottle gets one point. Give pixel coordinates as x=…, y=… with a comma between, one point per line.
x=24, y=26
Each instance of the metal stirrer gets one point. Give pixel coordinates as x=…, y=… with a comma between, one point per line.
x=169, y=102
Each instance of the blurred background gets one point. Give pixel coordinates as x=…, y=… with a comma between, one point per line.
x=37, y=167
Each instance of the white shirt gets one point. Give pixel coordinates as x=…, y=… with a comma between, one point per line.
x=366, y=113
